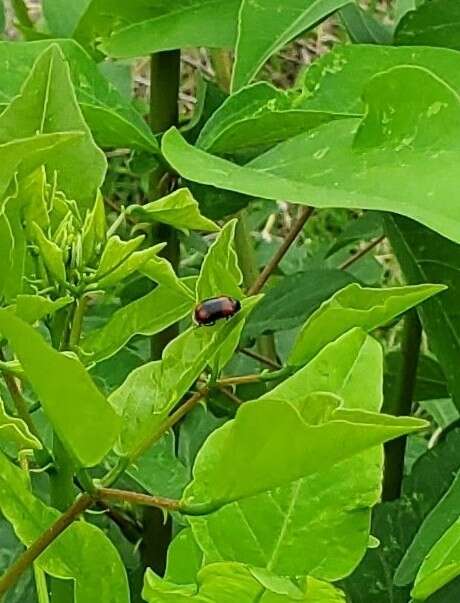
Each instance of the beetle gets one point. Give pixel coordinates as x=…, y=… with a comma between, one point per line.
x=210, y=310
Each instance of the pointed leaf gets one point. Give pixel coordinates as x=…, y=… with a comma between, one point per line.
x=434, y=23
x=112, y=119
x=47, y=104
x=147, y=315
x=178, y=209
x=161, y=271
x=79, y=413
x=265, y=27
x=355, y=306
x=31, y=308
x=220, y=273
x=51, y=254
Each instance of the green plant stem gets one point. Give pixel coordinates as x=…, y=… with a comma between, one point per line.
x=402, y=405
x=272, y=265
x=77, y=321
x=14, y=572
x=136, y=498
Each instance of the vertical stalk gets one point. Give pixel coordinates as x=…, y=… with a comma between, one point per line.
x=164, y=95
x=401, y=404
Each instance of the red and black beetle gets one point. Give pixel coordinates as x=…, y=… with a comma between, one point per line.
x=215, y=308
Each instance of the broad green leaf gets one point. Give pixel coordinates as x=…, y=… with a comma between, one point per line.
x=82, y=553
x=147, y=315
x=236, y=463
x=440, y=566
x=12, y=248
x=184, y=559
x=404, y=6
x=330, y=509
x=178, y=209
x=290, y=302
x=434, y=23
x=264, y=27
x=363, y=27
x=441, y=519
x=424, y=255
x=15, y=431
x=113, y=121
x=159, y=471
x=62, y=16
x=79, y=413
x=335, y=82
x=159, y=270
x=345, y=163
x=355, y=306
x=32, y=194
x=270, y=115
x=149, y=393
x=94, y=230
x=31, y=308
x=230, y=582
x=51, y=254
x=220, y=273
x=47, y=104
x=186, y=23
x=431, y=382
x=443, y=411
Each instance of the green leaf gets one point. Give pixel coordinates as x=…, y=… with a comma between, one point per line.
x=116, y=251
x=147, y=315
x=363, y=27
x=220, y=273
x=112, y=119
x=31, y=308
x=436, y=525
x=434, y=23
x=159, y=471
x=185, y=558
x=402, y=7
x=62, y=16
x=12, y=248
x=82, y=553
x=441, y=565
x=290, y=302
x=128, y=266
x=149, y=393
x=15, y=431
x=345, y=163
x=422, y=255
x=264, y=27
x=178, y=209
x=47, y=104
x=159, y=270
x=270, y=115
x=186, y=23
x=431, y=382
x=230, y=582
x=355, y=306
x=51, y=254
x=79, y=413
x=329, y=510
x=236, y=463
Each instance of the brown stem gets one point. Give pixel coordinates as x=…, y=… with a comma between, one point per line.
x=137, y=498
x=15, y=571
x=239, y=380
x=291, y=236
x=260, y=358
x=230, y=395
x=168, y=423
x=359, y=254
